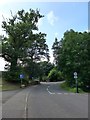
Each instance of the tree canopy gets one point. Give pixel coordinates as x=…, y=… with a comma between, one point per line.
x=22, y=43
x=73, y=56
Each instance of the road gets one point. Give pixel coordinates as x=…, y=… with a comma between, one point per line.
x=45, y=101
x=8, y=94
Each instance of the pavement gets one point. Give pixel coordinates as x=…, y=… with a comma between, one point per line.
x=46, y=100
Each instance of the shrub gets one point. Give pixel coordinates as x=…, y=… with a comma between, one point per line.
x=11, y=76
x=55, y=75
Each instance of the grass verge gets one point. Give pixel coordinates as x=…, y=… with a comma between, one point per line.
x=8, y=86
x=5, y=85
x=69, y=89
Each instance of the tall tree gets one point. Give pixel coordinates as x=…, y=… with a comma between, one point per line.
x=1, y=44
x=55, y=47
x=21, y=42
x=74, y=56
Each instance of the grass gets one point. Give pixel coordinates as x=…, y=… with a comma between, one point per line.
x=69, y=89
x=4, y=85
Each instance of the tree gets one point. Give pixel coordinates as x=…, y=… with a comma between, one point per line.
x=1, y=44
x=45, y=67
x=38, y=70
x=74, y=56
x=22, y=43
x=55, y=75
x=56, y=48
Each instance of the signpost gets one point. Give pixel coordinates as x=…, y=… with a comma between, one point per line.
x=75, y=77
x=21, y=77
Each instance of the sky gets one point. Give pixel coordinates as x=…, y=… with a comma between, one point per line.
x=58, y=17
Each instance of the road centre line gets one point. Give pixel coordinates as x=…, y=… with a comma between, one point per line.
x=25, y=108
x=26, y=98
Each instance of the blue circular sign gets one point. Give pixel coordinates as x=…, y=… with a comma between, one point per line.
x=21, y=76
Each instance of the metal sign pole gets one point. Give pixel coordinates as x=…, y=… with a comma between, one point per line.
x=21, y=82
x=77, y=86
x=75, y=76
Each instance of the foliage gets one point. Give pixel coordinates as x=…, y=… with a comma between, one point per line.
x=55, y=75
x=70, y=89
x=9, y=85
x=55, y=48
x=45, y=78
x=22, y=44
x=45, y=67
x=73, y=55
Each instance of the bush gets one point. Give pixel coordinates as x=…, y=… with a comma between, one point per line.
x=67, y=87
x=14, y=77
x=55, y=75
x=44, y=78
x=11, y=76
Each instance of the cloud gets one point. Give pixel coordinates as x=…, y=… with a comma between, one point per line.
x=51, y=18
x=40, y=22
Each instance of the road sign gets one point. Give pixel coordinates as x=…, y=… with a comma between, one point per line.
x=75, y=73
x=75, y=76
x=21, y=76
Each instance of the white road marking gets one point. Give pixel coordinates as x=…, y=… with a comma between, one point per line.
x=65, y=93
x=25, y=108
x=26, y=98
x=49, y=91
x=59, y=93
x=72, y=93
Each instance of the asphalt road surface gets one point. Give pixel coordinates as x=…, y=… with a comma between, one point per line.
x=44, y=101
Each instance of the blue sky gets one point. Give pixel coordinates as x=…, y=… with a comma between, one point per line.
x=58, y=17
